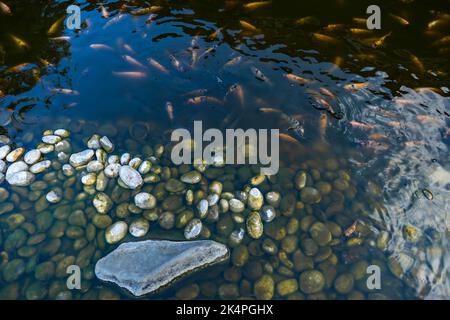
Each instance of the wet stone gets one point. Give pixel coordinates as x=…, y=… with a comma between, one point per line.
x=139, y=228
x=311, y=281
x=32, y=156
x=268, y=213
x=106, y=144
x=145, y=200
x=310, y=195
x=236, y=205
x=193, y=229
x=40, y=166
x=191, y=177
x=21, y=179
x=54, y=196
x=146, y=266
x=81, y=158
x=112, y=170
x=130, y=177
x=264, y=288
x=254, y=225
x=62, y=133
x=174, y=186
x=15, y=168
x=116, y=232
x=51, y=139
x=202, y=208
x=15, y=154
x=94, y=166
x=13, y=270
x=4, y=151
x=102, y=202
x=94, y=142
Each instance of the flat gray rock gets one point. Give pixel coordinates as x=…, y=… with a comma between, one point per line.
x=147, y=266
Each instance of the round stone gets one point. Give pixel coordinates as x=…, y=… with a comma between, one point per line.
x=62, y=133
x=310, y=195
x=112, y=170
x=89, y=179
x=311, y=281
x=94, y=166
x=300, y=180
x=15, y=168
x=254, y=225
x=236, y=205
x=21, y=179
x=193, y=229
x=268, y=213
x=51, y=139
x=191, y=177
x=139, y=228
x=145, y=200
x=344, y=283
x=264, y=288
x=320, y=233
x=202, y=207
x=174, y=186
x=130, y=177
x=81, y=158
x=32, y=156
x=4, y=151
x=15, y=154
x=102, y=202
x=116, y=232
x=54, y=196
x=255, y=199
x=40, y=166
x=106, y=144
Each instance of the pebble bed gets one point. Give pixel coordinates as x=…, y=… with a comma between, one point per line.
x=288, y=233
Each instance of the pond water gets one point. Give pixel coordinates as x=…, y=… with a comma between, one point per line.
x=363, y=116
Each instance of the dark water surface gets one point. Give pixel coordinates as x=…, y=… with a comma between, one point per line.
x=374, y=107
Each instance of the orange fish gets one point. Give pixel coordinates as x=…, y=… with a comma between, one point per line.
x=100, y=46
x=130, y=74
x=157, y=65
x=361, y=125
x=202, y=99
x=324, y=38
x=296, y=78
x=256, y=5
x=323, y=123
x=105, y=13
x=334, y=27
x=426, y=118
x=287, y=138
x=233, y=61
x=348, y=232
x=394, y=123
x=402, y=102
x=414, y=143
x=377, y=136
x=236, y=89
x=356, y=86
x=169, y=110
x=215, y=34
x=133, y=61
x=4, y=8
x=327, y=92
x=248, y=26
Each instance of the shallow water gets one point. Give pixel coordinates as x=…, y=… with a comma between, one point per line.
x=390, y=133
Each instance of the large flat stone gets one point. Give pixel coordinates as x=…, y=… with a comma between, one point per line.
x=145, y=267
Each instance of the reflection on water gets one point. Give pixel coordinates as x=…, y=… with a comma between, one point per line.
x=374, y=101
